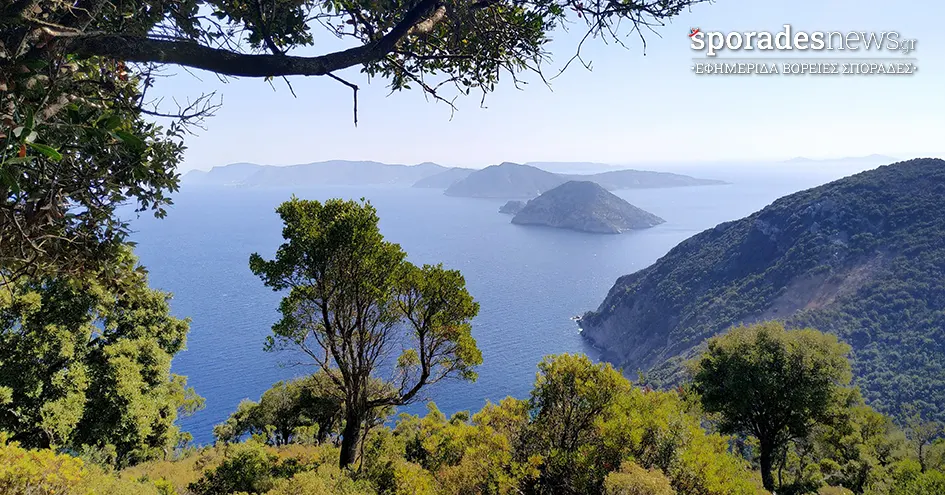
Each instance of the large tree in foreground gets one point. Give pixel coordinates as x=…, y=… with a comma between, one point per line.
x=87, y=362
x=772, y=384
x=359, y=311
x=425, y=42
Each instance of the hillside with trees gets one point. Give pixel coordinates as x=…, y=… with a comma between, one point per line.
x=861, y=257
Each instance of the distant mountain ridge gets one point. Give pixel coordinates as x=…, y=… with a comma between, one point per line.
x=584, y=206
x=507, y=180
x=334, y=172
x=516, y=181
x=444, y=179
x=862, y=257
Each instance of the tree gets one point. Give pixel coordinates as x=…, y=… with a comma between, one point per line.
x=571, y=395
x=353, y=300
x=466, y=43
x=853, y=450
x=73, y=147
x=86, y=362
x=921, y=433
x=772, y=383
x=309, y=406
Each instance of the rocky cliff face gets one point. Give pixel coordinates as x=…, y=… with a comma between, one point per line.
x=584, y=206
x=862, y=257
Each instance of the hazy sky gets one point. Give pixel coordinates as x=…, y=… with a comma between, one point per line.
x=630, y=108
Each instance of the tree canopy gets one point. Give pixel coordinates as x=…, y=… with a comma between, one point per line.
x=469, y=42
x=354, y=302
x=772, y=384
x=86, y=364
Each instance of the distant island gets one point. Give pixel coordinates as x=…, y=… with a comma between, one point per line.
x=587, y=207
x=504, y=181
x=874, y=158
x=512, y=207
x=444, y=179
x=516, y=181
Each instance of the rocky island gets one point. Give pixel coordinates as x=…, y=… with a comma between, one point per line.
x=512, y=207
x=587, y=207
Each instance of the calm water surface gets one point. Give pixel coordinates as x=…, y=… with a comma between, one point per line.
x=529, y=281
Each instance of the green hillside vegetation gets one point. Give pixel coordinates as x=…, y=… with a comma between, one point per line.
x=861, y=257
x=585, y=429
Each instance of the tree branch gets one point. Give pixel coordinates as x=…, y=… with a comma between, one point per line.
x=190, y=54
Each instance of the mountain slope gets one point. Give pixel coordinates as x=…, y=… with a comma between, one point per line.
x=862, y=257
x=643, y=179
x=506, y=180
x=515, y=181
x=444, y=179
x=584, y=206
x=232, y=174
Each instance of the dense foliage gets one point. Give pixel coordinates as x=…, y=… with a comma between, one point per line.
x=772, y=384
x=74, y=146
x=861, y=257
x=85, y=364
x=585, y=429
x=379, y=328
x=424, y=43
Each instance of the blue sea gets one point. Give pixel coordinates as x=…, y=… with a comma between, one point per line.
x=529, y=281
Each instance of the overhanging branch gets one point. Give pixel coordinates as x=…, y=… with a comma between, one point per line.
x=225, y=62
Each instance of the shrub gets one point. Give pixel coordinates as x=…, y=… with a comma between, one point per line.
x=634, y=480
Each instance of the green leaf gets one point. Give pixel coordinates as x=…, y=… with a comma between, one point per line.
x=50, y=152
x=9, y=180
x=129, y=138
x=17, y=159
x=112, y=122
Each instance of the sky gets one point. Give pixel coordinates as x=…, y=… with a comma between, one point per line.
x=634, y=106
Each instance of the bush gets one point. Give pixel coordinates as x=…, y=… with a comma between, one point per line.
x=44, y=472
x=326, y=480
x=833, y=490
x=634, y=480
x=251, y=469
x=36, y=471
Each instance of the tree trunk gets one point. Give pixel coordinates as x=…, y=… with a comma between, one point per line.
x=767, y=479
x=323, y=429
x=350, y=438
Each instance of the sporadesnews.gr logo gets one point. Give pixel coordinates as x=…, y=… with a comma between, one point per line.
x=712, y=42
